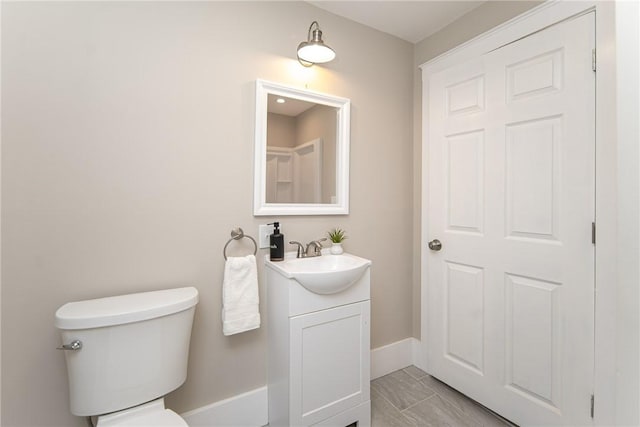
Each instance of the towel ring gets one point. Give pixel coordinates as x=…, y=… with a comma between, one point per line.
x=237, y=234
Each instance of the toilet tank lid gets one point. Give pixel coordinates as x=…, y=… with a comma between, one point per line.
x=101, y=312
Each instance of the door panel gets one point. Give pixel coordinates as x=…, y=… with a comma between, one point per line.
x=534, y=76
x=465, y=176
x=464, y=315
x=533, y=178
x=510, y=195
x=466, y=96
x=532, y=358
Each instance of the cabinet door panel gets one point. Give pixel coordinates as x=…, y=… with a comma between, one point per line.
x=329, y=362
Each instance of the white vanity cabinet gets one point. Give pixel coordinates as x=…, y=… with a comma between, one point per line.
x=319, y=347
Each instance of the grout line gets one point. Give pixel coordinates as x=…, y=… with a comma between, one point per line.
x=409, y=420
x=453, y=402
x=387, y=400
x=417, y=403
x=403, y=416
x=457, y=409
x=414, y=377
x=465, y=398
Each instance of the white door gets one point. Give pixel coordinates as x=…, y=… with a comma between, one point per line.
x=510, y=196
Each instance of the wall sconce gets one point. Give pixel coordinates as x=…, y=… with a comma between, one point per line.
x=314, y=51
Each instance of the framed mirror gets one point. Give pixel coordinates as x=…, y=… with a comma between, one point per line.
x=301, y=162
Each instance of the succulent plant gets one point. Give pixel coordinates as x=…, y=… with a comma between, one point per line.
x=337, y=235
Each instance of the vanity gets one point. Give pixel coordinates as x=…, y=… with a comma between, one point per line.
x=318, y=307
x=319, y=346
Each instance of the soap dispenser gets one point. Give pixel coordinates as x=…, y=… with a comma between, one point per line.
x=276, y=243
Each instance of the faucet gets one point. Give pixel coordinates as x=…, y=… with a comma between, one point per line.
x=315, y=246
x=301, y=253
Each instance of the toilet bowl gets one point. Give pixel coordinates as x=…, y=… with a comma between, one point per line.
x=125, y=353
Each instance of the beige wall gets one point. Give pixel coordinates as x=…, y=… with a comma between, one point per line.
x=468, y=26
x=281, y=130
x=128, y=158
x=481, y=19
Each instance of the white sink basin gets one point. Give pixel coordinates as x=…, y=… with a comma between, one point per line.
x=326, y=274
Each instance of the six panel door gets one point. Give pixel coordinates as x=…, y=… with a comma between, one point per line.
x=511, y=143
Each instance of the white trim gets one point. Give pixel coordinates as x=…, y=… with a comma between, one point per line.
x=0, y=232
x=394, y=356
x=533, y=20
x=606, y=218
x=418, y=356
x=627, y=19
x=343, y=134
x=607, y=150
x=248, y=409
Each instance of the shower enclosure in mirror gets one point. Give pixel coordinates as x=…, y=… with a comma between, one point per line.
x=301, y=152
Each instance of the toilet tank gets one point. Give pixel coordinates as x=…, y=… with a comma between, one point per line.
x=135, y=348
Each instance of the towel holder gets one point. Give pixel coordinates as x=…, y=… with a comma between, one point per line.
x=237, y=234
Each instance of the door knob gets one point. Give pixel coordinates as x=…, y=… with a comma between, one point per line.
x=435, y=245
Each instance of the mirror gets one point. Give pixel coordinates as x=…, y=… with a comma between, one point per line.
x=301, y=152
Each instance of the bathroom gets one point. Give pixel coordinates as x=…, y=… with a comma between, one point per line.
x=127, y=158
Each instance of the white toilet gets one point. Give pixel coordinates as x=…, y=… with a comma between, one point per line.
x=125, y=353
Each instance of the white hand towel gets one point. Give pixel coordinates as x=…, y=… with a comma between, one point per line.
x=240, y=297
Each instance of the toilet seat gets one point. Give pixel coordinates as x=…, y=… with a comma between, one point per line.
x=151, y=414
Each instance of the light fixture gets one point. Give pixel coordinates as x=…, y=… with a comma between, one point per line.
x=280, y=100
x=314, y=51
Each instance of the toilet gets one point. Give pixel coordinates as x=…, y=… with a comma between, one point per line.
x=125, y=353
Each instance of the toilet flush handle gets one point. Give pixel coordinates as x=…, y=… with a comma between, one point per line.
x=74, y=345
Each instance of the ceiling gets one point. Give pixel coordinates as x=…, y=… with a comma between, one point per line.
x=290, y=107
x=412, y=21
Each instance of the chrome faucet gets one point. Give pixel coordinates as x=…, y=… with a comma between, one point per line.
x=315, y=246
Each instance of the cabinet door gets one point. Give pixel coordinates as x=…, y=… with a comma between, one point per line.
x=329, y=362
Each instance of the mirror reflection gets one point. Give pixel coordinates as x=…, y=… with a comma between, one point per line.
x=301, y=151
x=301, y=164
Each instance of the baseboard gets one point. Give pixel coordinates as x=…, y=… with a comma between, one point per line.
x=250, y=409
x=244, y=410
x=392, y=357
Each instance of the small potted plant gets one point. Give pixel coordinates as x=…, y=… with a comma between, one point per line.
x=337, y=236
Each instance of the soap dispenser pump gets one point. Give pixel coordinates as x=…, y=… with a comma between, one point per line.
x=276, y=243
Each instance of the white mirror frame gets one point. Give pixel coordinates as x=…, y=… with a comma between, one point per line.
x=343, y=105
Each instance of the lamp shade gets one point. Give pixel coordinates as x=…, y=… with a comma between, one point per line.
x=314, y=50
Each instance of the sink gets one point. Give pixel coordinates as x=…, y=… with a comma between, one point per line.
x=324, y=275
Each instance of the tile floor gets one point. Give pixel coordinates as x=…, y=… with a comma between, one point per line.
x=410, y=397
